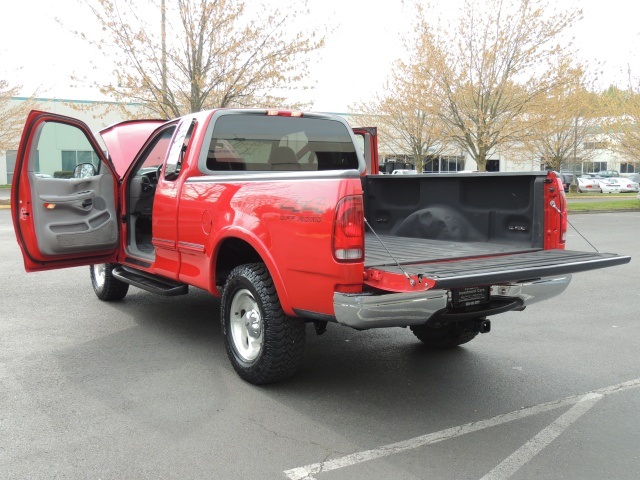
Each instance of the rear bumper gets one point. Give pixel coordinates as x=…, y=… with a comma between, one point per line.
x=363, y=311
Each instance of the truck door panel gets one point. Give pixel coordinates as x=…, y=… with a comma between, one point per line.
x=62, y=221
x=72, y=215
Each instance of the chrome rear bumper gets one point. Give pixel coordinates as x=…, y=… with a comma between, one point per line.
x=363, y=311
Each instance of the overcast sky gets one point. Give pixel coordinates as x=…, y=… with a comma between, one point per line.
x=36, y=52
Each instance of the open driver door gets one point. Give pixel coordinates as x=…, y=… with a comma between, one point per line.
x=63, y=222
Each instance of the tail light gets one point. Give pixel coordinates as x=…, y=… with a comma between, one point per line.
x=555, y=213
x=563, y=221
x=348, y=230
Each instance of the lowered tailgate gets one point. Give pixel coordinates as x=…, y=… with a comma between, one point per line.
x=443, y=264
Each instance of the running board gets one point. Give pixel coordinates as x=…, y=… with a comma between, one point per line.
x=150, y=283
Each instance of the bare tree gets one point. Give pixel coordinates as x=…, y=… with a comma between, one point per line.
x=187, y=56
x=406, y=115
x=623, y=107
x=499, y=59
x=12, y=115
x=562, y=123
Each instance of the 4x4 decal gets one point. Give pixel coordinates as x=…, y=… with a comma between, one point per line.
x=314, y=205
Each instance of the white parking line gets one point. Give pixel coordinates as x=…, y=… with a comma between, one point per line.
x=534, y=446
x=585, y=400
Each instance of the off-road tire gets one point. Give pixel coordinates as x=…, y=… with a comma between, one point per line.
x=448, y=336
x=268, y=353
x=106, y=286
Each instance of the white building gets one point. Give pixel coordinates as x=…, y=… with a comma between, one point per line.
x=97, y=115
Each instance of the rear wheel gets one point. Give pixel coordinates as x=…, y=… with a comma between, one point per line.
x=448, y=336
x=106, y=286
x=263, y=344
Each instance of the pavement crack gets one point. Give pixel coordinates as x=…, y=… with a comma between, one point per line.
x=329, y=450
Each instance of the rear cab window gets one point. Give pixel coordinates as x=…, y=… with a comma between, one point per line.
x=257, y=142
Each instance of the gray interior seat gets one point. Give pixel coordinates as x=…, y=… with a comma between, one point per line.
x=283, y=159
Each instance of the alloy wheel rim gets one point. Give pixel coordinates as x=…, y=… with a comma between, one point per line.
x=246, y=325
x=99, y=274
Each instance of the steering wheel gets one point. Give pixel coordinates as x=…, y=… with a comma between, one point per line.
x=145, y=184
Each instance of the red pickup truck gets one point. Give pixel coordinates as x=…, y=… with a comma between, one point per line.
x=282, y=215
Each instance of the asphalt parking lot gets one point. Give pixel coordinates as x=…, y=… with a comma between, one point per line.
x=142, y=388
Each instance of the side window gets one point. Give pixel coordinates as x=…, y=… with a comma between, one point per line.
x=362, y=145
x=71, y=158
x=156, y=153
x=60, y=148
x=179, y=148
x=360, y=142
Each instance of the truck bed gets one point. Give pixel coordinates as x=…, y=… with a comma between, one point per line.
x=460, y=230
x=381, y=250
x=457, y=264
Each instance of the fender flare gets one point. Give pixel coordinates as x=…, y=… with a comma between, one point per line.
x=259, y=246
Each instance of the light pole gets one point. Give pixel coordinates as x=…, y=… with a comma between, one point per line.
x=573, y=188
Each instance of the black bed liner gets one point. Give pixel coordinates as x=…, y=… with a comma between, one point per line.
x=406, y=250
x=459, y=264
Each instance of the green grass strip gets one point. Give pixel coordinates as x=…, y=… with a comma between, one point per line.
x=621, y=204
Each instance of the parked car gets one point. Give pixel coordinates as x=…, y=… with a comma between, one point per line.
x=608, y=173
x=634, y=177
x=627, y=184
x=617, y=185
x=565, y=178
x=586, y=184
x=403, y=171
x=608, y=185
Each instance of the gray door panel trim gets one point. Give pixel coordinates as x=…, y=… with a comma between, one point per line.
x=74, y=215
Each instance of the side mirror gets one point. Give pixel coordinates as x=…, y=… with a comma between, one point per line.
x=84, y=170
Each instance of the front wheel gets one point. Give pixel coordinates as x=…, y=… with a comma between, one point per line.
x=448, y=336
x=263, y=344
x=105, y=285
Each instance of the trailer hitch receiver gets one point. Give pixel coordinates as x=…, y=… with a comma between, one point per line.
x=482, y=325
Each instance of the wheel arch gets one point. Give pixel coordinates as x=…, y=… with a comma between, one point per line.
x=238, y=248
